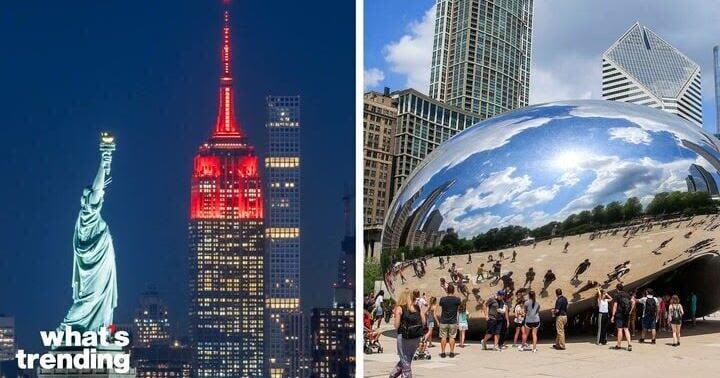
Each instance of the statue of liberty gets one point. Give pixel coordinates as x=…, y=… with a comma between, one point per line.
x=94, y=281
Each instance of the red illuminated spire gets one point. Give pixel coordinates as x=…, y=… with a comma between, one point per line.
x=226, y=124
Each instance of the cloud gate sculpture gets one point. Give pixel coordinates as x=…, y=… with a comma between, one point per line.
x=630, y=188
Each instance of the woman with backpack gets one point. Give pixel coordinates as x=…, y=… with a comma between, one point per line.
x=675, y=314
x=408, y=321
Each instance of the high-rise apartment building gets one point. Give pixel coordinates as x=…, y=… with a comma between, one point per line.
x=716, y=69
x=284, y=318
x=7, y=338
x=481, y=54
x=333, y=342
x=379, y=123
x=423, y=123
x=642, y=68
x=151, y=324
x=227, y=301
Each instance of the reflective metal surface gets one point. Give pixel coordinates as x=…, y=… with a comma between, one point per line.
x=543, y=163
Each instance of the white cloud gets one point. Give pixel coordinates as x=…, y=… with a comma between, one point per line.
x=411, y=55
x=372, y=77
x=633, y=135
x=571, y=82
x=536, y=196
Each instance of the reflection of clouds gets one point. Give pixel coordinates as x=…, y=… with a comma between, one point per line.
x=536, y=196
x=622, y=179
x=632, y=135
x=495, y=189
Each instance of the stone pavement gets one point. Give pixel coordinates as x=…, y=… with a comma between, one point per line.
x=697, y=356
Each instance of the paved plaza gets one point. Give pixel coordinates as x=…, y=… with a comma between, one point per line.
x=698, y=356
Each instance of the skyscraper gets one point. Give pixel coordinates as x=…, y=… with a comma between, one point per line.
x=282, y=169
x=226, y=313
x=642, y=68
x=481, y=54
x=7, y=338
x=716, y=67
x=151, y=324
x=379, y=123
x=423, y=124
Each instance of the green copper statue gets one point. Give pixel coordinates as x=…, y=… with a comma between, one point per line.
x=94, y=279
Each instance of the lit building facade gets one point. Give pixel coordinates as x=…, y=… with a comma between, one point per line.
x=171, y=360
x=642, y=68
x=151, y=324
x=8, y=344
x=226, y=236
x=481, y=54
x=423, y=124
x=379, y=123
x=333, y=342
x=283, y=318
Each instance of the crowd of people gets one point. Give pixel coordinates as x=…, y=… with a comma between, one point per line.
x=417, y=317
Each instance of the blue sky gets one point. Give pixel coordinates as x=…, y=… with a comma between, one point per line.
x=569, y=37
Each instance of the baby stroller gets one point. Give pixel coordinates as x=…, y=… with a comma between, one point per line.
x=371, y=344
x=421, y=353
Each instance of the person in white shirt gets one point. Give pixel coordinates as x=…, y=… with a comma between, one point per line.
x=603, y=302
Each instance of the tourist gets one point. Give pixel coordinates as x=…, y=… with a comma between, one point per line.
x=675, y=315
x=649, y=315
x=378, y=307
x=529, y=277
x=519, y=320
x=408, y=322
x=567, y=244
x=548, y=279
x=469, y=258
x=448, y=321
x=480, y=273
x=507, y=280
x=430, y=316
x=603, y=302
x=443, y=284
x=496, y=315
x=581, y=269
x=693, y=306
x=514, y=255
x=632, y=320
x=501, y=256
x=497, y=268
x=662, y=312
x=490, y=258
x=622, y=306
x=402, y=278
x=560, y=313
x=462, y=321
x=532, y=320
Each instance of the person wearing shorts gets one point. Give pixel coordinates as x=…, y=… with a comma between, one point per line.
x=448, y=321
x=622, y=306
x=651, y=306
x=532, y=320
x=495, y=319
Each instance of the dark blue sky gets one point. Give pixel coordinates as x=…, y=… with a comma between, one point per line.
x=147, y=71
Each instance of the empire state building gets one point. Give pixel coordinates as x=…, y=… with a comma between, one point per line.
x=226, y=245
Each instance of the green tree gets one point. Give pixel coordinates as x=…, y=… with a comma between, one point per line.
x=371, y=273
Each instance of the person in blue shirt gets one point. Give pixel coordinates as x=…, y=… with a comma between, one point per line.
x=560, y=313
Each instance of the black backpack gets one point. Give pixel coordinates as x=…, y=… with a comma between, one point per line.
x=411, y=326
x=650, y=308
x=624, y=303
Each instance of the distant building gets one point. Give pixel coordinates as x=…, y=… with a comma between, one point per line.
x=700, y=180
x=642, y=68
x=8, y=345
x=481, y=55
x=172, y=360
x=716, y=67
x=379, y=123
x=283, y=318
x=423, y=124
x=151, y=324
x=333, y=342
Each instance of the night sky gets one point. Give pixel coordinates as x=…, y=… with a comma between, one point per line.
x=148, y=72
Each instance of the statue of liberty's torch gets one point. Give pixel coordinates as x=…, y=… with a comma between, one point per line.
x=94, y=280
